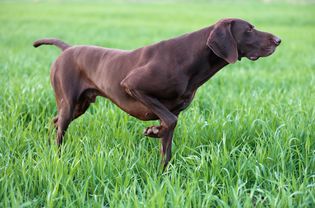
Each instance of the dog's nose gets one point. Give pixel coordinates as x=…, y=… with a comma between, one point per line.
x=276, y=40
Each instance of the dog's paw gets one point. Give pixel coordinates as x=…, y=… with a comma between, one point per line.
x=152, y=131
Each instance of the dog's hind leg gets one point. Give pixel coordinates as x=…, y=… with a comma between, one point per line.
x=55, y=120
x=65, y=116
x=80, y=109
x=65, y=98
x=86, y=98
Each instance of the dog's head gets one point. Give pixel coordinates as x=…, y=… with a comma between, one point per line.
x=232, y=39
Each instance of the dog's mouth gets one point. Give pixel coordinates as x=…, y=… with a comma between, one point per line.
x=264, y=53
x=253, y=58
x=269, y=51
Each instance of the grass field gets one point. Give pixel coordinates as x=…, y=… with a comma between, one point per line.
x=247, y=140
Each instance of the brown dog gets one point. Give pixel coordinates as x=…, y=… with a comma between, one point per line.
x=155, y=82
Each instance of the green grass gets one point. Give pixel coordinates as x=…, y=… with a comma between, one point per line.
x=247, y=140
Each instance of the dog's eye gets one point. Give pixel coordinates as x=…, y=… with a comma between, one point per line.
x=250, y=29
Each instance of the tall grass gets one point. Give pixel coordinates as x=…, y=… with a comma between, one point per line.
x=247, y=140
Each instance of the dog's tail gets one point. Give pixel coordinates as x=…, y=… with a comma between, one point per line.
x=51, y=41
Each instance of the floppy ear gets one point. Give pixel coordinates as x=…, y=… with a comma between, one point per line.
x=222, y=42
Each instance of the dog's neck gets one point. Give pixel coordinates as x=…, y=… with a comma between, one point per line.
x=190, y=53
x=205, y=62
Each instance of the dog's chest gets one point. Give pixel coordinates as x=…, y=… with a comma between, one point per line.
x=183, y=102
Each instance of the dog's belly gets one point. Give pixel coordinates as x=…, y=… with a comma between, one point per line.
x=176, y=105
x=136, y=109
x=130, y=105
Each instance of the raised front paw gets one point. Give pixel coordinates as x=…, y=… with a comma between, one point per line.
x=152, y=131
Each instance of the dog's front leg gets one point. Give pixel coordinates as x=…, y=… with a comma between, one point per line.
x=166, y=148
x=167, y=118
x=152, y=131
x=168, y=123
